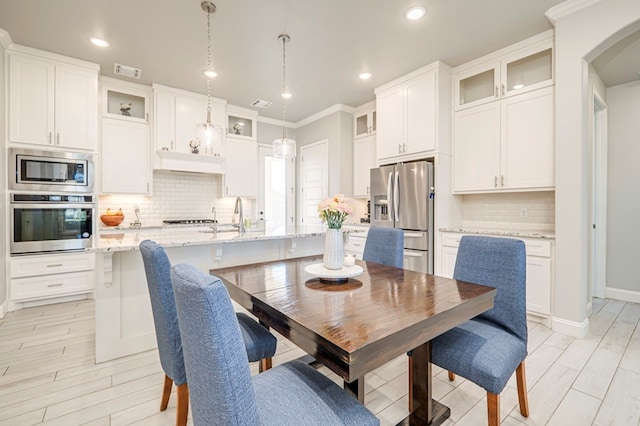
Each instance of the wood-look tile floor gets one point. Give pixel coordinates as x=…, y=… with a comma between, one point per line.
x=48, y=375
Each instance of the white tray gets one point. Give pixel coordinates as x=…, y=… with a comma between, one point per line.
x=320, y=271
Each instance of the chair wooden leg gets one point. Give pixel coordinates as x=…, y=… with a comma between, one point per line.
x=452, y=376
x=183, y=405
x=265, y=364
x=493, y=409
x=522, y=390
x=166, y=393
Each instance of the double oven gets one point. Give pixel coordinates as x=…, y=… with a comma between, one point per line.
x=51, y=201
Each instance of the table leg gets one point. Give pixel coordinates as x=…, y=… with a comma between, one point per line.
x=424, y=410
x=356, y=388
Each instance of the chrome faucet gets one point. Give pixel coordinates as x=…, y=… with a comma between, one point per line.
x=136, y=224
x=238, y=210
x=214, y=225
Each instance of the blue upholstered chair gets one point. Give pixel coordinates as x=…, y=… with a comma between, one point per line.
x=384, y=245
x=259, y=344
x=490, y=347
x=222, y=389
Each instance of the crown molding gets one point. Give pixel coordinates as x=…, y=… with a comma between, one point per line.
x=275, y=122
x=567, y=8
x=5, y=38
x=331, y=110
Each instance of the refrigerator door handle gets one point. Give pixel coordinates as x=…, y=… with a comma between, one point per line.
x=411, y=254
x=389, y=193
x=396, y=197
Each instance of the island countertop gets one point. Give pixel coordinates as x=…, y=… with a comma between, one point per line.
x=189, y=237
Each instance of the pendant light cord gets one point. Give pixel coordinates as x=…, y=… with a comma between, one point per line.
x=284, y=87
x=208, y=67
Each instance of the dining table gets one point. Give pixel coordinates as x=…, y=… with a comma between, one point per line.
x=356, y=319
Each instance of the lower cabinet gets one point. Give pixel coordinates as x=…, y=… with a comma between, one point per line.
x=47, y=276
x=539, y=272
x=354, y=244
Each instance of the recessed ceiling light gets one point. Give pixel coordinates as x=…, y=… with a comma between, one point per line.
x=364, y=75
x=415, y=13
x=210, y=73
x=99, y=42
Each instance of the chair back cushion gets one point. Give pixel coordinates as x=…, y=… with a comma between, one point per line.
x=220, y=387
x=385, y=246
x=499, y=263
x=157, y=268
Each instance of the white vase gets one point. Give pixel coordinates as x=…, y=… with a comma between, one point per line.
x=333, y=249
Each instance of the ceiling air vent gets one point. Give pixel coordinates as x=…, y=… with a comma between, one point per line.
x=259, y=103
x=127, y=71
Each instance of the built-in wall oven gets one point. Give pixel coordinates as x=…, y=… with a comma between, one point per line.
x=59, y=172
x=44, y=223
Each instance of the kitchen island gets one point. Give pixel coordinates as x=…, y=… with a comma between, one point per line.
x=124, y=322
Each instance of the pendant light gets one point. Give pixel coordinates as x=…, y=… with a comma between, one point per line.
x=284, y=147
x=208, y=133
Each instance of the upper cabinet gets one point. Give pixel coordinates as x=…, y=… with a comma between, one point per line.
x=412, y=112
x=241, y=171
x=177, y=113
x=504, y=140
x=522, y=71
x=125, y=145
x=364, y=120
x=364, y=159
x=53, y=100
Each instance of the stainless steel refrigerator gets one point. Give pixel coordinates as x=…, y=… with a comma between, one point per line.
x=402, y=197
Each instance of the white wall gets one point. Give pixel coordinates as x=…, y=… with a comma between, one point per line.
x=623, y=187
x=4, y=41
x=581, y=35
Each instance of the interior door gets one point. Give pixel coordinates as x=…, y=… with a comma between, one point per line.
x=314, y=168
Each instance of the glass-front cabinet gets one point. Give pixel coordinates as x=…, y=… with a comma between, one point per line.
x=364, y=120
x=524, y=70
x=124, y=102
x=241, y=123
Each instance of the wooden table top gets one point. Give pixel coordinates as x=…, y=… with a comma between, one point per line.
x=357, y=326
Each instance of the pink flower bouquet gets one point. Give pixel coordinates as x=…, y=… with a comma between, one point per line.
x=334, y=210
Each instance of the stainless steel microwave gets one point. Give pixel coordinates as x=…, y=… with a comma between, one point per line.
x=31, y=170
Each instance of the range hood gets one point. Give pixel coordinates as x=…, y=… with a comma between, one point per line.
x=186, y=162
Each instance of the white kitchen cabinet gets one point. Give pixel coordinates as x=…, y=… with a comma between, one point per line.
x=242, y=123
x=176, y=115
x=126, y=157
x=364, y=159
x=409, y=115
x=47, y=276
x=364, y=120
x=538, y=269
x=125, y=101
x=505, y=145
x=52, y=102
x=527, y=66
x=354, y=244
x=241, y=175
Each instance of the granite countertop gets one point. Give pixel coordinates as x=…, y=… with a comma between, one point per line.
x=191, y=236
x=502, y=232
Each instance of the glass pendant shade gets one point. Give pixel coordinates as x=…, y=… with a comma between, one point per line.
x=284, y=148
x=210, y=137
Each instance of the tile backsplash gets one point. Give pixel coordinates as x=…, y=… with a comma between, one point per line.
x=178, y=196
x=506, y=211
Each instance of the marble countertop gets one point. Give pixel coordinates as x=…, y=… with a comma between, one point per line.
x=502, y=232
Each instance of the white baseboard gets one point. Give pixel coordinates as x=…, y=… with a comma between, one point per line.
x=570, y=328
x=622, y=294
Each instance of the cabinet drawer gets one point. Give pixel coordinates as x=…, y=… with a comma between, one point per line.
x=355, y=244
x=451, y=240
x=538, y=247
x=52, y=285
x=30, y=266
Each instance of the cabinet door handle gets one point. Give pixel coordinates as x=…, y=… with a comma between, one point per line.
x=399, y=148
x=58, y=138
x=503, y=89
x=147, y=186
x=502, y=180
x=495, y=181
x=147, y=117
x=367, y=189
x=496, y=95
x=404, y=147
x=171, y=145
x=50, y=141
x=54, y=265
x=56, y=285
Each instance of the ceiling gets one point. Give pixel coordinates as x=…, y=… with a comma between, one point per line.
x=331, y=42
